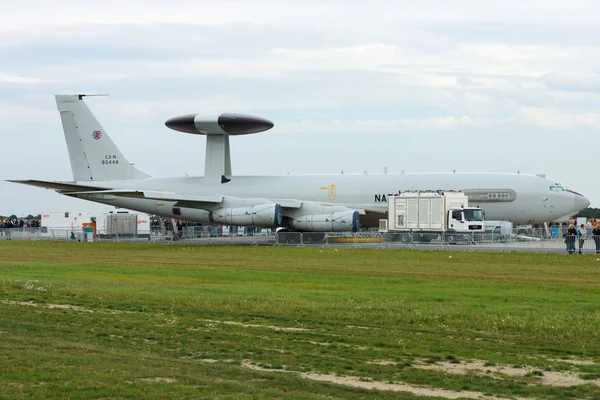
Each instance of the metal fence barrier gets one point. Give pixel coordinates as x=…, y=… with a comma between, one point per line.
x=532, y=241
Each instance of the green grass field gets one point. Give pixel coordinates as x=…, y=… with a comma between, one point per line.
x=103, y=320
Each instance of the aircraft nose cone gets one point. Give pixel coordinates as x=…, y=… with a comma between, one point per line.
x=239, y=124
x=581, y=203
x=183, y=123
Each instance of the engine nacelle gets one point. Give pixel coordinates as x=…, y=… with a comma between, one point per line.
x=263, y=215
x=341, y=221
x=224, y=124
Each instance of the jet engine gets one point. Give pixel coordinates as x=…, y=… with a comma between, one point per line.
x=263, y=215
x=341, y=221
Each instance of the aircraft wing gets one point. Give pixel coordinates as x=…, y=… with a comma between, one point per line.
x=61, y=186
x=196, y=201
x=289, y=203
x=77, y=190
x=182, y=200
x=154, y=195
x=368, y=209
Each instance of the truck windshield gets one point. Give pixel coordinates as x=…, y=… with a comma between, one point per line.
x=474, y=215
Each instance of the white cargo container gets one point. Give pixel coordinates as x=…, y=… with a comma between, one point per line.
x=124, y=223
x=425, y=215
x=63, y=223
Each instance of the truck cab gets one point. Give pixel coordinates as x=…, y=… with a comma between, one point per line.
x=466, y=219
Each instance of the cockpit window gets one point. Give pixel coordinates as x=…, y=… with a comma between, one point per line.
x=558, y=188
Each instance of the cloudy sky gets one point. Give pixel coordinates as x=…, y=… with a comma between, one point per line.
x=426, y=86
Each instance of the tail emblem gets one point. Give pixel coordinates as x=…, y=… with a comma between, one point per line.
x=97, y=135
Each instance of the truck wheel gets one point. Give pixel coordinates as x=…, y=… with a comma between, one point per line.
x=405, y=238
x=450, y=238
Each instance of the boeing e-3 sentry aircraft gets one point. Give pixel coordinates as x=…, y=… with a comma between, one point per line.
x=317, y=203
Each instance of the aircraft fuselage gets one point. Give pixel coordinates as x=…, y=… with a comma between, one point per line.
x=514, y=197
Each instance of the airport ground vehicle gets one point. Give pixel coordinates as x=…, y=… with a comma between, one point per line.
x=498, y=230
x=426, y=215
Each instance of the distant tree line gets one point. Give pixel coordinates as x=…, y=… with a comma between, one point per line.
x=589, y=212
x=29, y=217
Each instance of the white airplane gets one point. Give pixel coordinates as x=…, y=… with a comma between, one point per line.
x=317, y=203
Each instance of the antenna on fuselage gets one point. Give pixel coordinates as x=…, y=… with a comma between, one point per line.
x=217, y=129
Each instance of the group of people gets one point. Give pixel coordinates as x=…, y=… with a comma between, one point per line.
x=155, y=223
x=19, y=223
x=580, y=234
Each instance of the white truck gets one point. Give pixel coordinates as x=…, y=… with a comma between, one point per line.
x=422, y=216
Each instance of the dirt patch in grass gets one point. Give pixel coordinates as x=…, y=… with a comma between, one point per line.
x=158, y=380
x=249, y=365
x=398, y=387
x=61, y=307
x=573, y=362
x=357, y=327
x=363, y=383
x=479, y=368
x=382, y=362
x=68, y=307
x=275, y=328
x=312, y=342
x=58, y=306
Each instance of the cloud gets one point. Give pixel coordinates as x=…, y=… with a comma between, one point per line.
x=554, y=118
x=26, y=15
x=380, y=126
x=8, y=78
x=584, y=82
x=10, y=114
x=370, y=77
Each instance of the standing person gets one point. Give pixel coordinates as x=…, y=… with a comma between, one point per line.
x=581, y=232
x=570, y=239
x=596, y=237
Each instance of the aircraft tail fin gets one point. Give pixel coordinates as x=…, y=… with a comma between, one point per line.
x=94, y=156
